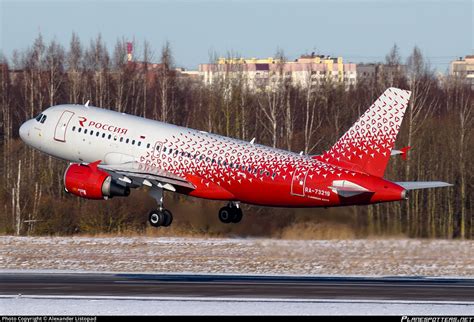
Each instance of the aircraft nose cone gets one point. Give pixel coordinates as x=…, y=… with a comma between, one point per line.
x=24, y=131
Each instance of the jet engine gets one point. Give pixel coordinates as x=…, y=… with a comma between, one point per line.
x=87, y=181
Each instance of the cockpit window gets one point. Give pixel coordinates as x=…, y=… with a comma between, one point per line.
x=38, y=118
x=43, y=118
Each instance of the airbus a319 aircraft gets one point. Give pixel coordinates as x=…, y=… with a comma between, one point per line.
x=111, y=152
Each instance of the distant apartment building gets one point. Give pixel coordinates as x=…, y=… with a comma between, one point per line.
x=464, y=68
x=304, y=71
x=377, y=72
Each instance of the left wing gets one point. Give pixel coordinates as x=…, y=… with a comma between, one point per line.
x=138, y=174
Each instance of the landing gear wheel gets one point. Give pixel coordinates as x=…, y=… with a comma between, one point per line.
x=159, y=218
x=225, y=215
x=236, y=215
x=168, y=217
x=155, y=218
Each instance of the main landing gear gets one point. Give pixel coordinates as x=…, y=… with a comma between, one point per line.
x=232, y=213
x=160, y=217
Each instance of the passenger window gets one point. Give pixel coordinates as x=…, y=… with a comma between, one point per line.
x=92, y=132
x=85, y=131
x=139, y=143
x=127, y=140
x=79, y=130
x=170, y=151
x=73, y=128
x=115, y=138
x=158, y=148
x=148, y=146
x=133, y=142
x=97, y=134
x=267, y=174
x=164, y=149
x=274, y=175
x=121, y=139
x=103, y=135
x=110, y=135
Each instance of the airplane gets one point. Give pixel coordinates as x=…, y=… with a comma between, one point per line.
x=111, y=152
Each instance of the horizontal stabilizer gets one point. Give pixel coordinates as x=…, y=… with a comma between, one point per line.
x=402, y=151
x=346, y=188
x=411, y=185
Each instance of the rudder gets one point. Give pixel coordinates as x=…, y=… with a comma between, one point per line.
x=366, y=146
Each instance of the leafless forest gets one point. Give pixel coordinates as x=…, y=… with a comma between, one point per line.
x=438, y=125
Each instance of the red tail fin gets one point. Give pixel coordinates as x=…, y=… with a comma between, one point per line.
x=367, y=144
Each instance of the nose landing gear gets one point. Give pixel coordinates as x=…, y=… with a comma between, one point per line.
x=232, y=213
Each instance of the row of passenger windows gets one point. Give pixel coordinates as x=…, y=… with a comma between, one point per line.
x=104, y=135
x=214, y=161
x=176, y=152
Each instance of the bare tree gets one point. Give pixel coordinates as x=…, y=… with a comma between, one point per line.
x=74, y=62
x=54, y=65
x=272, y=100
x=166, y=81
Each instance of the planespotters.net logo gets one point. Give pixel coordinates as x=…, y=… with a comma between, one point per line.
x=437, y=319
x=101, y=126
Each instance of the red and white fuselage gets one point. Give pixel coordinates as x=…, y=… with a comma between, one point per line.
x=222, y=168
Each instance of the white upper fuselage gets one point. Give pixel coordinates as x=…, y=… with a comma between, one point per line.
x=119, y=137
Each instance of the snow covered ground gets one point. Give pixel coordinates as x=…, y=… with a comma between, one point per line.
x=368, y=257
x=205, y=306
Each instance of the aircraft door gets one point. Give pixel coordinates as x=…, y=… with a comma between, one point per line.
x=61, y=127
x=298, y=181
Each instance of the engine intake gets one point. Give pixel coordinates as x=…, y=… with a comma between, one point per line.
x=88, y=181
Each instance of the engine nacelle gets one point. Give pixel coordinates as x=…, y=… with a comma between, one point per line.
x=87, y=181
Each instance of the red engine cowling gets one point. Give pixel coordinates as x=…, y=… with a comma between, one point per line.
x=87, y=181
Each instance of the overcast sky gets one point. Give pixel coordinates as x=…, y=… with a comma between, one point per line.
x=357, y=30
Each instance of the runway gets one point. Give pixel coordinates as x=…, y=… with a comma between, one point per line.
x=237, y=286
